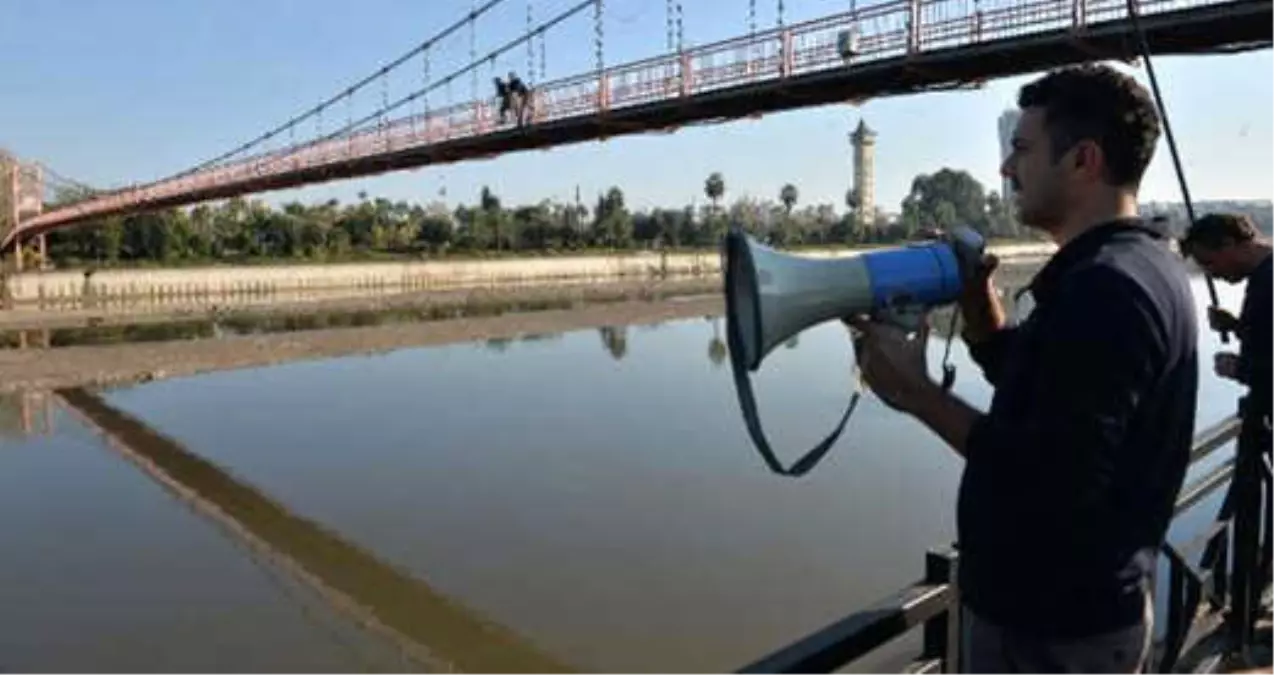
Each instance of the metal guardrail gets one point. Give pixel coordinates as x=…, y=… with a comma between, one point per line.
x=885, y=31
x=933, y=602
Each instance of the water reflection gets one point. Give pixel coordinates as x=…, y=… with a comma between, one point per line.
x=716, y=346
x=499, y=345
x=25, y=414
x=258, y=324
x=615, y=340
x=606, y=504
x=436, y=631
x=717, y=349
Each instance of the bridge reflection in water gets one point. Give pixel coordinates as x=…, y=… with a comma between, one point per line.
x=434, y=631
x=24, y=414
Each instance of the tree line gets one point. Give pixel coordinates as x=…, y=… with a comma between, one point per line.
x=238, y=230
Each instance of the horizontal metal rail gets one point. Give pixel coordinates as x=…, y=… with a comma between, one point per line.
x=898, y=31
x=859, y=633
x=933, y=601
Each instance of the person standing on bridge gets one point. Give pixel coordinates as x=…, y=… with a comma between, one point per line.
x=1072, y=474
x=1229, y=246
x=502, y=93
x=519, y=95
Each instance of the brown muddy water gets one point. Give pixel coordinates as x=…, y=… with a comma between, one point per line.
x=583, y=501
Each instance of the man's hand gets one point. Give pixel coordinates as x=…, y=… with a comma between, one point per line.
x=1222, y=321
x=893, y=363
x=980, y=303
x=1226, y=365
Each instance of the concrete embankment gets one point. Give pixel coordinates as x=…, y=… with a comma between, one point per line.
x=136, y=290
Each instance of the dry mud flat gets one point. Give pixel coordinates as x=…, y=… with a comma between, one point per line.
x=36, y=368
x=487, y=314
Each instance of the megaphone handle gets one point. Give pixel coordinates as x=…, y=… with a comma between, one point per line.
x=743, y=385
x=948, y=370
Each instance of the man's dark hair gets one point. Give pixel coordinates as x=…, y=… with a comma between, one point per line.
x=1217, y=230
x=1098, y=103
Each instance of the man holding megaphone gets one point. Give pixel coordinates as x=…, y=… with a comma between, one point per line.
x=1071, y=475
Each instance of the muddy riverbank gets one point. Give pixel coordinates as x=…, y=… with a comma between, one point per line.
x=85, y=348
x=430, y=304
x=93, y=365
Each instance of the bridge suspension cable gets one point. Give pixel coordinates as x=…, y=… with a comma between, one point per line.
x=57, y=179
x=491, y=56
x=597, y=28
x=468, y=19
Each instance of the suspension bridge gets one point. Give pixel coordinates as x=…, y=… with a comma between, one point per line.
x=892, y=48
x=895, y=47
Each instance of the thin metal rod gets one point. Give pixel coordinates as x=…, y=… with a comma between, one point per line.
x=1135, y=17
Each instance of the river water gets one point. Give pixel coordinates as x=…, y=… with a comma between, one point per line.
x=588, y=501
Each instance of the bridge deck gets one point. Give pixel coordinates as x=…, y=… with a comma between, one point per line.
x=952, y=45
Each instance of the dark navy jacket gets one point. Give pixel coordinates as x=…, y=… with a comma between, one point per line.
x=1255, y=341
x=1072, y=474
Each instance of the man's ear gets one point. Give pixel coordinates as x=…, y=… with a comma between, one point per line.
x=1088, y=157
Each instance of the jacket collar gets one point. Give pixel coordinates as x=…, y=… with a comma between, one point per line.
x=1083, y=247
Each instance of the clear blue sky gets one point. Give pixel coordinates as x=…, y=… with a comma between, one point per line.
x=115, y=91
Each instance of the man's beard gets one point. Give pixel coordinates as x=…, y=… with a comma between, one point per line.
x=1043, y=214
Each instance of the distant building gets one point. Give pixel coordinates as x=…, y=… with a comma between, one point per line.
x=863, y=141
x=1007, y=125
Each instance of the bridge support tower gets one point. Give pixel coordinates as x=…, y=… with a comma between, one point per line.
x=21, y=197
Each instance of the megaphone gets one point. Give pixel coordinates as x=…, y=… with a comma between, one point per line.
x=771, y=296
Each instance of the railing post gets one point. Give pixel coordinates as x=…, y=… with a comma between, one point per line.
x=687, y=75
x=1246, y=586
x=913, y=27
x=942, y=633
x=603, y=91
x=1077, y=15
x=785, y=50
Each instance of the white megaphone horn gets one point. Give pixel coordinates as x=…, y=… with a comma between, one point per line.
x=771, y=296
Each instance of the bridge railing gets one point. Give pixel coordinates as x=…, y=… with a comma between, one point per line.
x=845, y=40
x=932, y=603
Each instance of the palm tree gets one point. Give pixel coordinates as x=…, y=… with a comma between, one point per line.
x=858, y=226
x=714, y=188
x=851, y=199
x=788, y=196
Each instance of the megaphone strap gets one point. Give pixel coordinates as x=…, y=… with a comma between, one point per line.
x=743, y=385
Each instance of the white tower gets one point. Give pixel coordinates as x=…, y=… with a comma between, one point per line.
x=863, y=141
